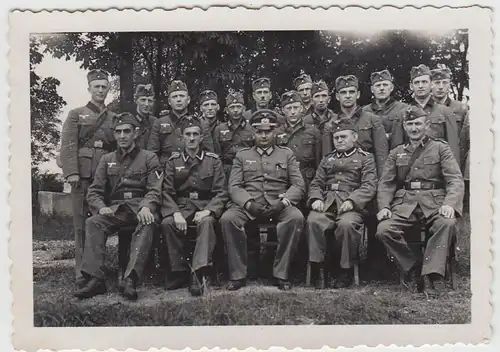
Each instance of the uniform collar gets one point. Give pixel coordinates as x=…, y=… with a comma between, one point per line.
x=430, y=102
x=346, y=153
x=120, y=155
x=199, y=155
x=423, y=142
x=376, y=107
x=90, y=105
x=267, y=151
x=356, y=113
x=243, y=122
x=297, y=126
x=176, y=116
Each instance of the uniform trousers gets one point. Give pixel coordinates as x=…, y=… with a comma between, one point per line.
x=204, y=248
x=442, y=232
x=80, y=209
x=348, y=230
x=99, y=227
x=290, y=223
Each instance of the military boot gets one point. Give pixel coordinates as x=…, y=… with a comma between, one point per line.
x=318, y=274
x=177, y=279
x=344, y=279
x=129, y=289
x=93, y=288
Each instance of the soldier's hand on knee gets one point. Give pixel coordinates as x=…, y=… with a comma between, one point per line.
x=318, y=205
x=106, y=211
x=384, y=214
x=447, y=211
x=145, y=216
x=348, y=205
x=180, y=222
x=200, y=215
x=73, y=180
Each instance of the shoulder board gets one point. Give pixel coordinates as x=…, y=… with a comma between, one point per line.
x=213, y=155
x=440, y=140
x=283, y=147
x=246, y=148
x=174, y=155
x=364, y=152
x=164, y=113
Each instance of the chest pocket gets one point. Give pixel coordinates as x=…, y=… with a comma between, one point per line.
x=308, y=143
x=403, y=160
x=281, y=170
x=113, y=170
x=166, y=128
x=247, y=138
x=355, y=164
x=226, y=136
x=282, y=139
x=136, y=175
x=86, y=120
x=206, y=178
x=431, y=159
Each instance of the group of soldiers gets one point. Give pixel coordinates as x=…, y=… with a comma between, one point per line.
x=311, y=172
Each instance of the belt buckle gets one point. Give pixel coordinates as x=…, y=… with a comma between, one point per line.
x=98, y=144
x=416, y=185
x=127, y=195
x=334, y=186
x=193, y=195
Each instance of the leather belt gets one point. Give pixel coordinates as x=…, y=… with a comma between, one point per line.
x=196, y=195
x=126, y=195
x=424, y=185
x=338, y=187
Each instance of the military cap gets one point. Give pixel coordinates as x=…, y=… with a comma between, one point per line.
x=263, y=119
x=177, y=85
x=420, y=70
x=344, y=125
x=413, y=112
x=234, y=97
x=262, y=82
x=208, y=95
x=319, y=87
x=190, y=121
x=379, y=76
x=290, y=97
x=346, y=81
x=302, y=79
x=441, y=73
x=97, y=74
x=125, y=118
x=144, y=90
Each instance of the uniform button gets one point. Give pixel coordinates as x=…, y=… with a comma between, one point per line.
x=265, y=174
x=416, y=168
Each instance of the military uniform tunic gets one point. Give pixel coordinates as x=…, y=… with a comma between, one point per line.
x=459, y=109
x=341, y=176
x=443, y=126
x=145, y=125
x=81, y=150
x=388, y=112
x=415, y=193
x=315, y=119
x=191, y=185
x=229, y=139
x=247, y=114
x=371, y=135
x=465, y=147
x=166, y=136
x=125, y=182
x=263, y=176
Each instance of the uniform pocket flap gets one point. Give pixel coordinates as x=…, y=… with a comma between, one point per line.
x=438, y=119
x=86, y=152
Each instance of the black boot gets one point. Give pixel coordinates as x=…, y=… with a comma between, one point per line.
x=177, y=279
x=234, y=285
x=129, y=289
x=344, y=279
x=81, y=282
x=93, y=288
x=283, y=285
x=430, y=290
x=318, y=275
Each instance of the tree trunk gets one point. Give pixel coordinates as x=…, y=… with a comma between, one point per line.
x=125, y=70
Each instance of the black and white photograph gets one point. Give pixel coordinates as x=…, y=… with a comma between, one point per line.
x=255, y=177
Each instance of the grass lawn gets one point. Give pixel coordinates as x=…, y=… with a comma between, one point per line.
x=257, y=304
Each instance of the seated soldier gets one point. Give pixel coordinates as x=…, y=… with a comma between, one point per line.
x=265, y=185
x=421, y=182
x=126, y=191
x=346, y=181
x=193, y=192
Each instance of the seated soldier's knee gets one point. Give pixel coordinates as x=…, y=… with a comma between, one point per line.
x=91, y=221
x=207, y=220
x=383, y=230
x=167, y=222
x=345, y=224
x=446, y=223
x=296, y=215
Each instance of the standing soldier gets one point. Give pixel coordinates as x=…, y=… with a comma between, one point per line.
x=303, y=85
x=421, y=182
x=209, y=107
x=441, y=79
x=234, y=134
x=371, y=133
x=443, y=122
x=383, y=104
x=194, y=192
x=87, y=134
x=144, y=99
x=126, y=191
x=265, y=184
x=464, y=153
x=262, y=94
x=320, y=100
x=166, y=136
x=345, y=183
x=304, y=140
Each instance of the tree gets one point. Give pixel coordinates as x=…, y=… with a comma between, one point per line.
x=45, y=105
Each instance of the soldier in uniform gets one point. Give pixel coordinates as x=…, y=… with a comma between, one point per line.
x=303, y=85
x=345, y=183
x=262, y=95
x=194, y=192
x=320, y=100
x=87, y=134
x=441, y=79
x=166, y=136
x=464, y=162
x=144, y=98
x=383, y=104
x=126, y=191
x=265, y=185
x=209, y=107
x=421, y=182
x=234, y=134
x=443, y=122
x=371, y=133
x=304, y=140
